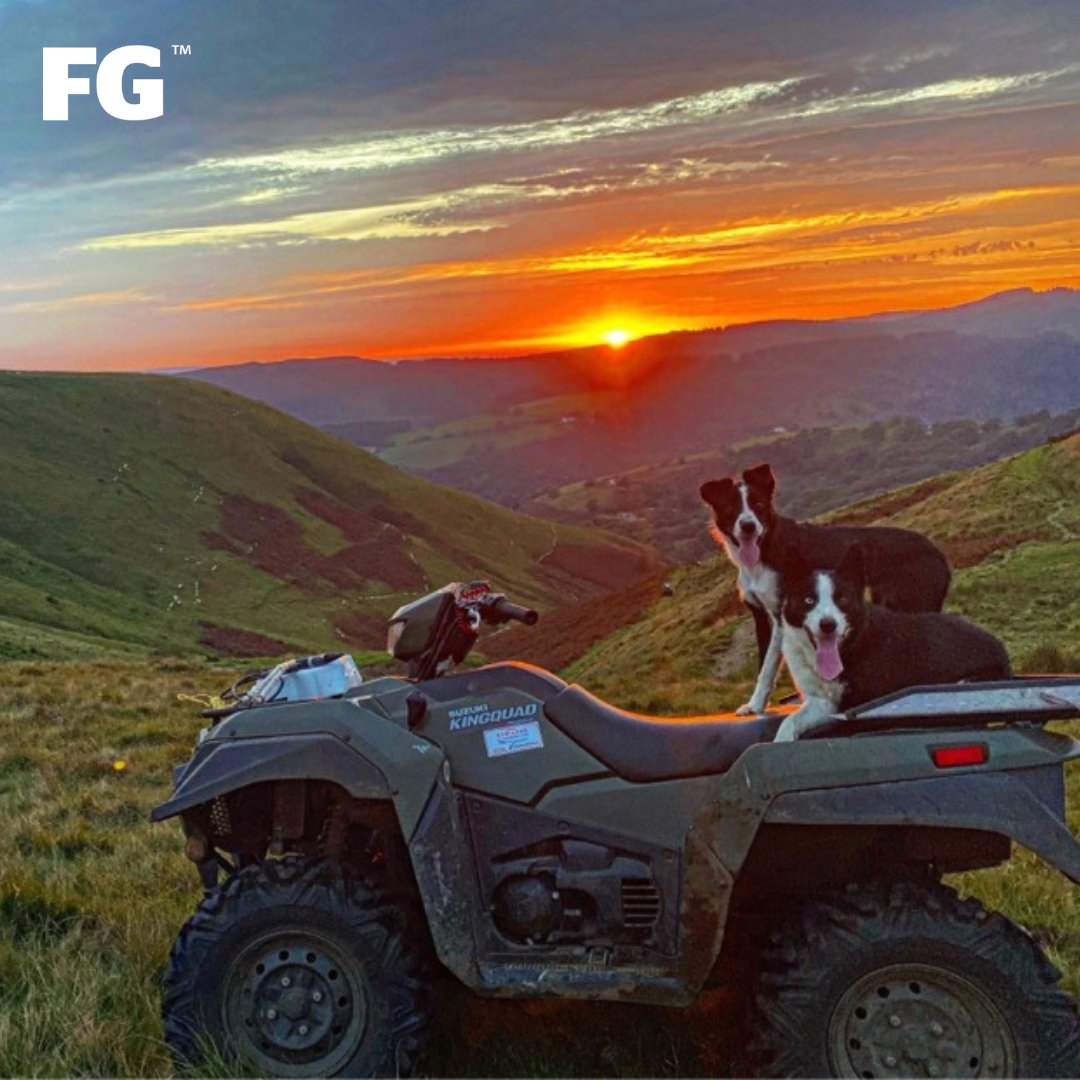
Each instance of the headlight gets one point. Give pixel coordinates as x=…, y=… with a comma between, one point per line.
x=393, y=636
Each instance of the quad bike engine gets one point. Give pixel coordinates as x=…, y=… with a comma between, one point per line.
x=573, y=891
x=527, y=907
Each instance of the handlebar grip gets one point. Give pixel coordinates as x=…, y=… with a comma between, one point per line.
x=515, y=611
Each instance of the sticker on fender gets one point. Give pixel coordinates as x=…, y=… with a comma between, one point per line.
x=513, y=739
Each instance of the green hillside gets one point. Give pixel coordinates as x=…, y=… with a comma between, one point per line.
x=1011, y=529
x=144, y=513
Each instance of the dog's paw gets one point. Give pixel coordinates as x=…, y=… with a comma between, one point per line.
x=812, y=714
x=747, y=710
x=787, y=732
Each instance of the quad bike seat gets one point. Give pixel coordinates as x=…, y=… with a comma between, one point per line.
x=507, y=675
x=644, y=748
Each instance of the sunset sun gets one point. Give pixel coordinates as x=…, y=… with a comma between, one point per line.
x=616, y=338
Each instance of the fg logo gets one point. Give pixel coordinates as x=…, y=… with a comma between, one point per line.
x=57, y=85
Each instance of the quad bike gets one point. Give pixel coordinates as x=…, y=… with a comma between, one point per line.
x=533, y=840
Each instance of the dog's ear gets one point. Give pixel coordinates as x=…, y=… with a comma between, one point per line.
x=853, y=567
x=760, y=477
x=713, y=491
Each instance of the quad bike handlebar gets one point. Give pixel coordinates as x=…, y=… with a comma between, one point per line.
x=506, y=611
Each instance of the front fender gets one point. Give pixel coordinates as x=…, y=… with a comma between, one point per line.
x=219, y=767
x=1027, y=805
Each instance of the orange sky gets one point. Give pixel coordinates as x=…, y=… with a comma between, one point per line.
x=461, y=199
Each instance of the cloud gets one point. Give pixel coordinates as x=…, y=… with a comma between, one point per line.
x=260, y=180
x=78, y=302
x=264, y=195
x=918, y=56
x=392, y=150
x=956, y=91
x=749, y=102
x=25, y=286
x=406, y=220
x=833, y=236
x=441, y=214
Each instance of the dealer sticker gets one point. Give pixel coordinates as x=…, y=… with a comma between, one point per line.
x=513, y=739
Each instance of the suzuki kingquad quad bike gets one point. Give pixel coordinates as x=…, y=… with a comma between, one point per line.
x=534, y=840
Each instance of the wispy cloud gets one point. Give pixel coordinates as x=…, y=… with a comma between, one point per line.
x=441, y=214
x=838, y=236
x=37, y=285
x=78, y=302
x=672, y=250
x=399, y=221
x=754, y=102
x=915, y=56
x=391, y=150
x=265, y=195
x=954, y=91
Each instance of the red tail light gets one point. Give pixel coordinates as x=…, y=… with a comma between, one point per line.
x=949, y=757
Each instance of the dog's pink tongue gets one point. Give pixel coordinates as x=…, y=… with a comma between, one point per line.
x=749, y=552
x=829, y=664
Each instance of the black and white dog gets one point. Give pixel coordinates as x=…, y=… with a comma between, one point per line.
x=904, y=570
x=843, y=651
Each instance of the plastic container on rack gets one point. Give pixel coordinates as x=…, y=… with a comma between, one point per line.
x=306, y=679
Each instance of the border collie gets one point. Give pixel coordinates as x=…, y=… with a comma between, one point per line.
x=904, y=570
x=843, y=651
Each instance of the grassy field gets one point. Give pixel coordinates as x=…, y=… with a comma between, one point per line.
x=91, y=896
x=144, y=514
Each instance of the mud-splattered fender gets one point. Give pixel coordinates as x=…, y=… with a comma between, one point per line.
x=221, y=767
x=1027, y=805
x=382, y=760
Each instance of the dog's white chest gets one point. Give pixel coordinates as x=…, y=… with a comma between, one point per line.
x=801, y=660
x=760, y=585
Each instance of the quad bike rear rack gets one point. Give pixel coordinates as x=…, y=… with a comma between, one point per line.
x=1032, y=700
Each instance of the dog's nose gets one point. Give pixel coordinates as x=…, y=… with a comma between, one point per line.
x=827, y=626
x=747, y=528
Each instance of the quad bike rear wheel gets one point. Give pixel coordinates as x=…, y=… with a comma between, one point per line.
x=298, y=968
x=909, y=980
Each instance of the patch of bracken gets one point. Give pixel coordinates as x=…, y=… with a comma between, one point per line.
x=354, y=524
x=229, y=641
x=611, y=568
x=567, y=633
x=269, y=539
x=361, y=631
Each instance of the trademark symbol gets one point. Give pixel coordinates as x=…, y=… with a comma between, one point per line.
x=181, y=50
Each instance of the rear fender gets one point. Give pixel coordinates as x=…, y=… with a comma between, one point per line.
x=1026, y=805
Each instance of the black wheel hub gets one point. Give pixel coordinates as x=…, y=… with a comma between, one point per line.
x=296, y=1005
x=919, y=1020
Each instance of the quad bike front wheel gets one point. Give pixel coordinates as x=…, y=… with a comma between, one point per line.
x=908, y=980
x=298, y=968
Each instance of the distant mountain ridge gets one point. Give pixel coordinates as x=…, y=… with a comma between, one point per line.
x=1015, y=312
x=510, y=429
x=820, y=469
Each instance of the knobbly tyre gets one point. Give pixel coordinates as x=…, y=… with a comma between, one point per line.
x=534, y=840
